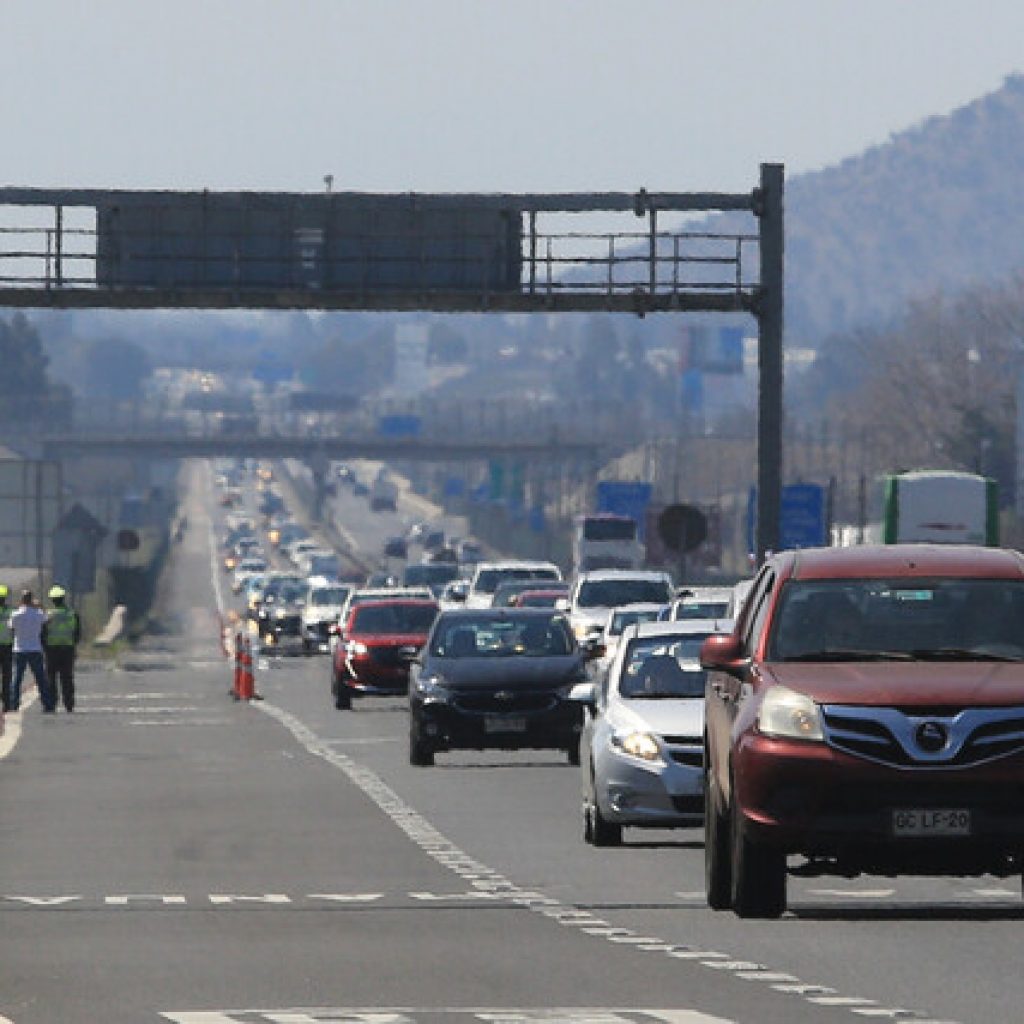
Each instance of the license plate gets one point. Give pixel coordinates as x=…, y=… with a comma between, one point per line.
x=496, y=723
x=923, y=822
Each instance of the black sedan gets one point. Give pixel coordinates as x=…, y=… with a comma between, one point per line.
x=496, y=678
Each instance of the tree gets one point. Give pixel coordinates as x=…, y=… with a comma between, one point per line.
x=110, y=368
x=22, y=358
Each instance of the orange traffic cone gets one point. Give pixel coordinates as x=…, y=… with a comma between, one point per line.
x=247, y=686
x=236, y=685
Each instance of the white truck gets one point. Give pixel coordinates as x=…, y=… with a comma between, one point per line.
x=935, y=506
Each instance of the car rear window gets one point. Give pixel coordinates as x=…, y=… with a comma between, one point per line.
x=374, y=617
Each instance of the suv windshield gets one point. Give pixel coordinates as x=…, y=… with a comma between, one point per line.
x=494, y=636
x=899, y=618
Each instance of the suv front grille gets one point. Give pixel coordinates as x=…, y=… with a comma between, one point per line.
x=916, y=739
x=510, y=702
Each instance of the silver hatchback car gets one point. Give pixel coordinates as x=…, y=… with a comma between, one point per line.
x=641, y=748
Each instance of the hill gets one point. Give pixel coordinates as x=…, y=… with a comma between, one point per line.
x=937, y=208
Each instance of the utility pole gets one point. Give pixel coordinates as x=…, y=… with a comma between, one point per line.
x=769, y=358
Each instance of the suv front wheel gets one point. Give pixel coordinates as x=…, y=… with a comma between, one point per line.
x=717, y=876
x=758, y=874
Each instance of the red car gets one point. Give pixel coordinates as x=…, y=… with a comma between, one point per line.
x=377, y=645
x=866, y=714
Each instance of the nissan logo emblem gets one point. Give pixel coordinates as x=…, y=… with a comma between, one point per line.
x=504, y=695
x=931, y=737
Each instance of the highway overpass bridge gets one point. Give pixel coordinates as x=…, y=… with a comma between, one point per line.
x=549, y=448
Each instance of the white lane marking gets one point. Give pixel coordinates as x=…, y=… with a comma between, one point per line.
x=273, y=897
x=446, y=853
x=12, y=724
x=127, y=899
x=111, y=709
x=43, y=901
x=342, y=897
x=863, y=894
x=406, y=1015
x=415, y=826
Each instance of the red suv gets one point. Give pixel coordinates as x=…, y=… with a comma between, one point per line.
x=866, y=713
x=377, y=644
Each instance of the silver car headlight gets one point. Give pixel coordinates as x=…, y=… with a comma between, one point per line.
x=637, y=744
x=786, y=714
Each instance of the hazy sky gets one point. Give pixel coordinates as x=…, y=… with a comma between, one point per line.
x=475, y=95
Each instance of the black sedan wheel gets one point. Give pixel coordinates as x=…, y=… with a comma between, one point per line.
x=421, y=753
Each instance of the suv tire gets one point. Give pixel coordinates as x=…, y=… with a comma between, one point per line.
x=717, y=852
x=758, y=874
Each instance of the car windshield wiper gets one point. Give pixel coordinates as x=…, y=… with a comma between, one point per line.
x=837, y=654
x=960, y=654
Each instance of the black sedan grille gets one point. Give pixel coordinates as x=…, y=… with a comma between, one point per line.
x=916, y=739
x=504, y=702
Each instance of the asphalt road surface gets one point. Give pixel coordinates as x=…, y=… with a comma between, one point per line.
x=170, y=854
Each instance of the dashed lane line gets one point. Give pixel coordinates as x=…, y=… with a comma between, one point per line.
x=442, y=850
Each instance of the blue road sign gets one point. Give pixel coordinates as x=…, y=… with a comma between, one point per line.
x=625, y=498
x=801, y=517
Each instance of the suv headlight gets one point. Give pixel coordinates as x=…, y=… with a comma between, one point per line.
x=638, y=744
x=354, y=647
x=787, y=714
x=432, y=687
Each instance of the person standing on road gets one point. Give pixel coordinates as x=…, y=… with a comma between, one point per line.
x=60, y=635
x=6, y=648
x=27, y=626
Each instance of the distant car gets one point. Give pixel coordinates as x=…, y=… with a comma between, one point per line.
x=360, y=595
x=595, y=593
x=454, y=595
x=470, y=552
x=487, y=576
x=610, y=633
x=700, y=603
x=641, y=750
x=381, y=638
x=436, y=575
x=496, y=678
x=506, y=593
x=280, y=627
x=247, y=568
x=432, y=539
x=396, y=547
x=321, y=612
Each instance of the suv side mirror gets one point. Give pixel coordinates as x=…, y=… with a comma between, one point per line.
x=724, y=652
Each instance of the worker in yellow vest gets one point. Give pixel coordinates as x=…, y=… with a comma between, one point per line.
x=6, y=647
x=61, y=633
